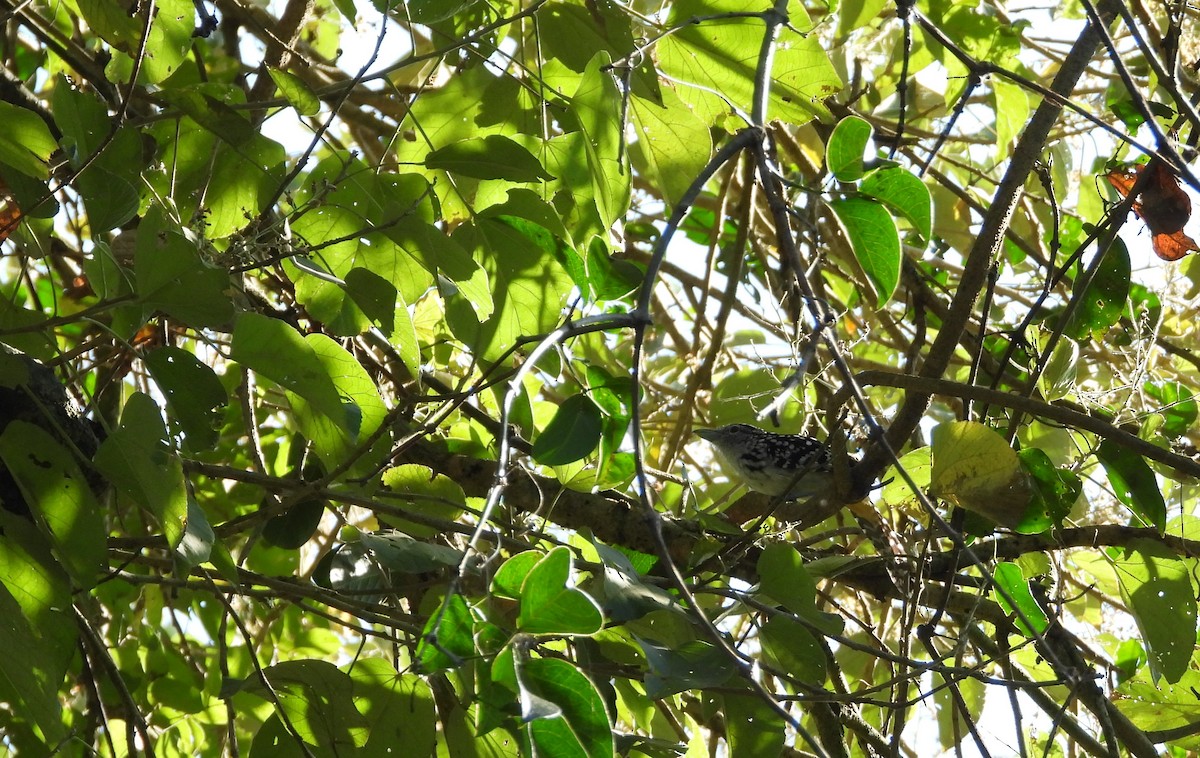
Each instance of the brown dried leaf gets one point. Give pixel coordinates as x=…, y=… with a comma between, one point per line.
x=10, y=214
x=1162, y=204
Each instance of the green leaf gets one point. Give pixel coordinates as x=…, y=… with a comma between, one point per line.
x=111, y=198
x=209, y=105
x=855, y=14
x=754, y=728
x=783, y=578
x=398, y=709
x=293, y=529
x=430, y=11
x=571, y=34
x=846, y=148
x=1129, y=657
x=967, y=694
x=512, y=574
x=580, y=725
x=167, y=43
x=375, y=296
x=139, y=463
x=903, y=193
x=976, y=469
x=1012, y=111
x=110, y=181
x=198, y=541
x=1055, y=491
x=335, y=302
x=349, y=567
x=447, y=640
x=336, y=439
x=721, y=55
x=59, y=498
x=596, y=104
x=444, y=255
x=1032, y=619
x=1134, y=483
x=318, y=701
x=244, y=177
x=1157, y=588
x=29, y=191
x=277, y=351
x=571, y=435
x=221, y=170
x=490, y=157
x=673, y=144
x=296, y=92
x=678, y=668
x=111, y=22
x=431, y=494
x=399, y=552
x=1179, y=409
x=1157, y=705
x=792, y=648
x=173, y=278
x=550, y=606
x=35, y=602
x=525, y=204
x=193, y=393
x=496, y=685
x=1101, y=305
x=593, y=270
x=25, y=142
x=477, y=101
x=1122, y=106
x=528, y=287
x=25, y=686
x=1059, y=376
x=875, y=241
x=623, y=595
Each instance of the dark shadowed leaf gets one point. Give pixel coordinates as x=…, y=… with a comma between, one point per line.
x=139, y=464
x=447, y=641
x=292, y=529
x=491, y=157
x=572, y=434
x=1157, y=586
x=1134, y=483
x=193, y=393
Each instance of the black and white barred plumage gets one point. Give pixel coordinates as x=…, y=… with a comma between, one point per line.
x=790, y=465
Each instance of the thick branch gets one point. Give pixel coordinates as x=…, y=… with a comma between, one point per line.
x=989, y=243
x=922, y=388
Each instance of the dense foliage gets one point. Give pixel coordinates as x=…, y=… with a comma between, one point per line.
x=356, y=350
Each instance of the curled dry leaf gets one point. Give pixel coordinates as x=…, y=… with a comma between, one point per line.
x=1162, y=204
x=10, y=214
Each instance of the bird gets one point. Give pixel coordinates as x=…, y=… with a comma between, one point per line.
x=789, y=466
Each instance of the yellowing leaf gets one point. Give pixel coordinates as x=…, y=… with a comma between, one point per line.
x=294, y=89
x=974, y=468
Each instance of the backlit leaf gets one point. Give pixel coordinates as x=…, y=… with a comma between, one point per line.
x=875, y=241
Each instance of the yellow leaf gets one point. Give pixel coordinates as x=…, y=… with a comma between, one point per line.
x=974, y=468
